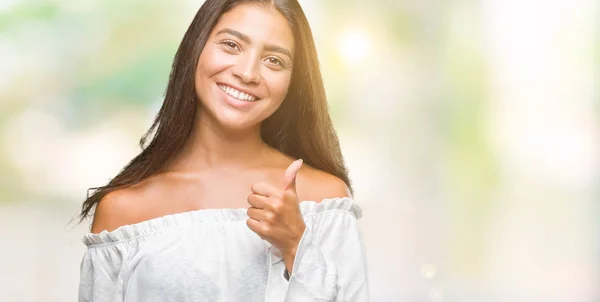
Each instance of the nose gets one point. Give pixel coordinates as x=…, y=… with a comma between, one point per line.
x=246, y=68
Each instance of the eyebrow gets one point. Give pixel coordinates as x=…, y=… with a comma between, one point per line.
x=245, y=38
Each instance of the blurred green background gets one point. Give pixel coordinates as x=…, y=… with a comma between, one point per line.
x=470, y=128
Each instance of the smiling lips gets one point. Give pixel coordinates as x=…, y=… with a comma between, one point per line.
x=242, y=96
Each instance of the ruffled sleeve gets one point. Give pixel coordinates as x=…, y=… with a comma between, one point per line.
x=100, y=278
x=330, y=261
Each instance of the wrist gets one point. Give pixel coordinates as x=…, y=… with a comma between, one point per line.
x=288, y=257
x=289, y=254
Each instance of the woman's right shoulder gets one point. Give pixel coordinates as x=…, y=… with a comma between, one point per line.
x=115, y=209
x=123, y=206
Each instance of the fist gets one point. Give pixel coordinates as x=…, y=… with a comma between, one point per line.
x=274, y=213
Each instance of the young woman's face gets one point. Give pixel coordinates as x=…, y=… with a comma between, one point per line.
x=244, y=70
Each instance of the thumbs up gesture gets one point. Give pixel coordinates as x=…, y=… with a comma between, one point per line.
x=274, y=214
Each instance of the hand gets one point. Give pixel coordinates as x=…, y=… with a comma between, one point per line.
x=275, y=214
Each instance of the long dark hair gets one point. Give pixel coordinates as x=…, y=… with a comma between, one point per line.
x=301, y=126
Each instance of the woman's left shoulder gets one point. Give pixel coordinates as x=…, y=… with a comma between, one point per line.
x=317, y=185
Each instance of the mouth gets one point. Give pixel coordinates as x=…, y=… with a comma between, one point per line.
x=236, y=94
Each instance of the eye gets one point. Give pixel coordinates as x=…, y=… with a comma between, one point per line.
x=275, y=60
x=230, y=44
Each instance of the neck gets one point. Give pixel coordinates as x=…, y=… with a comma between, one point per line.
x=212, y=147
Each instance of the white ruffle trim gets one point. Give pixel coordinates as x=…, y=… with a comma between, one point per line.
x=158, y=224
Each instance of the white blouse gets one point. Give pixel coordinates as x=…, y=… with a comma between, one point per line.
x=211, y=255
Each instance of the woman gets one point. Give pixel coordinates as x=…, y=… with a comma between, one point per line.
x=210, y=209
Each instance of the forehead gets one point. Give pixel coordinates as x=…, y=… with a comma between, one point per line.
x=264, y=25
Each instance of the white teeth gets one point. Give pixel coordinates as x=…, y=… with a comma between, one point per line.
x=245, y=96
x=238, y=94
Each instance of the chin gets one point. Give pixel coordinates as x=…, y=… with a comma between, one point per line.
x=237, y=123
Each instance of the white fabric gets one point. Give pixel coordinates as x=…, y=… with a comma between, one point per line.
x=211, y=255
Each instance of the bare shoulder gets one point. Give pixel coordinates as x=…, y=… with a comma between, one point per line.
x=316, y=185
x=115, y=209
x=124, y=206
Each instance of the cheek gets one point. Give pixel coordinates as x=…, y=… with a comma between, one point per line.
x=210, y=62
x=278, y=87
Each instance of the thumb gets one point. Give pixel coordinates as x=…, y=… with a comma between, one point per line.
x=290, y=175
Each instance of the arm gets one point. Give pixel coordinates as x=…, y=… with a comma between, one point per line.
x=99, y=275
x=315, y=185
x=101, y=264
x=330, y=260
x=318, y=243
